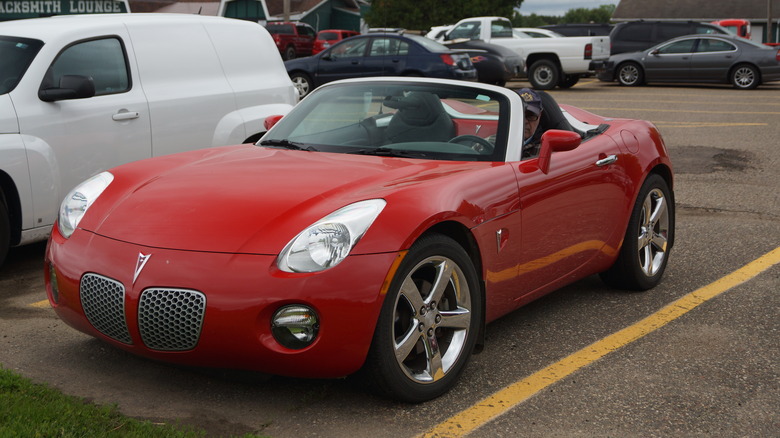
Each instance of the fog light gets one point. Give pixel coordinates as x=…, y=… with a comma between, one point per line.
x=55, y=290
x=295, y=326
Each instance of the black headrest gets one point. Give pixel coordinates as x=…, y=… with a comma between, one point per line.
x=417, y=108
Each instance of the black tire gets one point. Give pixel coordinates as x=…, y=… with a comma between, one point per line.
x=289, y=53
x=568, y=81
x=302, y=82
x=648, y=239
x=745, y=77
x=544, y=75
x=5, y=230
x=630, y=74
x=398, y=364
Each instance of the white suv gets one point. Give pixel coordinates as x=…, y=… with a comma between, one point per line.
x=81, y=94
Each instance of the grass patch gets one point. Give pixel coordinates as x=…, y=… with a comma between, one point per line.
x=28, y=409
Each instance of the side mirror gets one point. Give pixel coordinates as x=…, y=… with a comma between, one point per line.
x=655, y=52
x=270, y=121
x=556, y=140
x=71, y=87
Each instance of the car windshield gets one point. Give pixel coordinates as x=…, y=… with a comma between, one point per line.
x=403, y=119
x=16, y=54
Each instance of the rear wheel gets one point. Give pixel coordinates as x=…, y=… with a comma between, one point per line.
x=543, y=75
x=428, y=324
x=630, y=74
x=649, y=237
x=745, y=77
x=289, y=53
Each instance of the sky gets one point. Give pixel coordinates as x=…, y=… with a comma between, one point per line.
x=559, y=7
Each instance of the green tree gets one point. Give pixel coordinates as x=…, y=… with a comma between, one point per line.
x=602, y=14
x=422, y=14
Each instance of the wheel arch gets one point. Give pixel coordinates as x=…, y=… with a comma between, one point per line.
x=9, y=195
x=530, y=59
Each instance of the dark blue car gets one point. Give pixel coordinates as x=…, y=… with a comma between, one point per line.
x=380, y=54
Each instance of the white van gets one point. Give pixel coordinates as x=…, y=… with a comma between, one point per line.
x=81, y=94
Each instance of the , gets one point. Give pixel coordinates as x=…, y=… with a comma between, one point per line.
x=375, y=230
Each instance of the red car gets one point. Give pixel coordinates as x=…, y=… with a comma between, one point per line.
x=329, y=37
x=292, y=39
x=378, y=227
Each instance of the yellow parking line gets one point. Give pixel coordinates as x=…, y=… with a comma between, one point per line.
x=497, y=404
x=703, y=124
x=667, y=110
x=41, y=304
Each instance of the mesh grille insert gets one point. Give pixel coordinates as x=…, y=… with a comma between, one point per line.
x=171, y=319
x=103, y=300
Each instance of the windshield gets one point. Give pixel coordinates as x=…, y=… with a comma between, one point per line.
x=414, y=120
x=16, y=54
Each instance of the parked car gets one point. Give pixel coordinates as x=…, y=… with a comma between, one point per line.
x=639, y=35
x=580, y=29
x=495, y=64
x=329, y=37
x=81, y=94
x=736, y=27
x=380, y=54
x=697, y=58
x=378, y=227
x=534, y=32
x=292, y=39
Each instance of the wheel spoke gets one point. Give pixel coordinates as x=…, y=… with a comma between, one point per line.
x=443, y=275
x=659, y=211
x=412, y=294
x=459, y=319
x=646, y=259
x=433, y=354
x=407, y=344
x=659, y=241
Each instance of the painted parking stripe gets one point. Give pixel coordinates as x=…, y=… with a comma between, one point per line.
x=499, y=403
x=41, y=304
x=667, y=110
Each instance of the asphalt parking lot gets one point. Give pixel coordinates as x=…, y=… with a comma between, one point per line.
x=711, y=371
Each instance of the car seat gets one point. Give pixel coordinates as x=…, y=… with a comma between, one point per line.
x=420, y=117
x=552, y=116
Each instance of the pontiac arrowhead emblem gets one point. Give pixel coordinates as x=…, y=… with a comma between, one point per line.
x=139, y=265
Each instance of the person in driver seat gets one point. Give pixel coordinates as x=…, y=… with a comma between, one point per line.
x=533, y=113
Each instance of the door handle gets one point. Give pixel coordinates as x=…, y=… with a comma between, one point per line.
x=125, y=115
x=604, y=161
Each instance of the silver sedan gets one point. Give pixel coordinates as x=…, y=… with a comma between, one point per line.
x=696, y=58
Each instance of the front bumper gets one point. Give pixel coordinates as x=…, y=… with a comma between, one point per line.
x=604, y=70
x=239, y=294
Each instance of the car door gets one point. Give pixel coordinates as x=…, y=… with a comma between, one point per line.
x=712, y=59
x=85, y=136
x=569, y=213
x=343, y=61
x=671, y=61
x=387, y=56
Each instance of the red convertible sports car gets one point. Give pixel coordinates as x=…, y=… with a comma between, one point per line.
x=375, y=229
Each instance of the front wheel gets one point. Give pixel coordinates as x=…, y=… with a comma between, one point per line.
x=630, y=74
x=649, y=237
x=289, y=53
x=543, y=75
x=428, y=324
x=302, y=83
x=745, y=77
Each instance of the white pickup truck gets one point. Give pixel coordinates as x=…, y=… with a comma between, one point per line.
x=550, y=62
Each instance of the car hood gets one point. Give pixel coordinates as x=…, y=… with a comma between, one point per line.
x=249, y=199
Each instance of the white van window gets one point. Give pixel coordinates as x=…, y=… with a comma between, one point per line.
x=103, y=60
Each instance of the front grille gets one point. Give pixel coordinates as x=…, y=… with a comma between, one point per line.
x=171, y=319
x=103, y=301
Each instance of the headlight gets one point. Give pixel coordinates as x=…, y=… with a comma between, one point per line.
x=79, y=200
x=328, y=241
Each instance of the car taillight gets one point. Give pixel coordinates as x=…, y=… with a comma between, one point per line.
x=588, y=51
x=448, y=59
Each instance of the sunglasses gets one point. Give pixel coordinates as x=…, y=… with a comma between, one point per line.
x=531, y=117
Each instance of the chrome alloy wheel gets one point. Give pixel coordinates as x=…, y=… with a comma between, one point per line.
x=744, y=77
x=432, y=318
x=628, y=74
x=653, y=235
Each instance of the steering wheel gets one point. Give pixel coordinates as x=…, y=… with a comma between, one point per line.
x=477, y=143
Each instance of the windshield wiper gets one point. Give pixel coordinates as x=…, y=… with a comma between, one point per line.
x=388, y=152
x=287, y=144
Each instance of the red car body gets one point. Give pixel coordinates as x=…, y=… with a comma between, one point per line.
x=329, y=37
x=292, y=39
x=215, y=221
